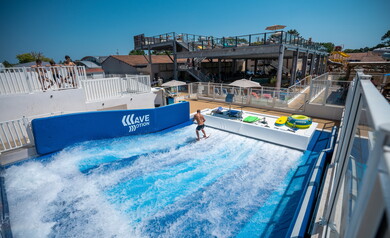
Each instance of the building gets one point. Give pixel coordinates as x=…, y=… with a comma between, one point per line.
x=92, y=69
x=96, y=59
x=369, y=56
x=160, y=66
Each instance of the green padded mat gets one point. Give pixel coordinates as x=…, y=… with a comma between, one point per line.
x=251, y=119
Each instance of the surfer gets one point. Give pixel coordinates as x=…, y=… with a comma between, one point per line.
x=200, y=120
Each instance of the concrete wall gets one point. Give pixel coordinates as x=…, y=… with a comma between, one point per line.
x=73, y=100
x=326, y=112
x=132, y=101
x=18, y=105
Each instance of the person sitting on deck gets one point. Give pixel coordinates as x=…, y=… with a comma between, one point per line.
x=255, y=95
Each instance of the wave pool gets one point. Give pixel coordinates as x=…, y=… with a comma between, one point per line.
x=159, y=185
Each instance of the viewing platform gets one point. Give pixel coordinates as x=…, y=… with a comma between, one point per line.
x=189, y=45
x=276, y=46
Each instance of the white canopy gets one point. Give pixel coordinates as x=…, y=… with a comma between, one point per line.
x=245, y=83
x=173, y=83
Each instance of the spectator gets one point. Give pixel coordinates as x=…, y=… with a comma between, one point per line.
x=41, y=71
x=55, y=72
x=71, y=70
x=160, y=81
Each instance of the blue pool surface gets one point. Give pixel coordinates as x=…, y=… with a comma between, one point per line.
x=161, y=185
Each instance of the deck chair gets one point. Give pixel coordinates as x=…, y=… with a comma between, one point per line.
x=235, y=113
x=218, y=110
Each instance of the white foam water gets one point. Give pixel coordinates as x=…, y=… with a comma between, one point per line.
x=162, y=184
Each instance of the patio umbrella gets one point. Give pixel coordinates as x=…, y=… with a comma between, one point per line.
x=275, y=27
x=244, y=83
x=174, y=83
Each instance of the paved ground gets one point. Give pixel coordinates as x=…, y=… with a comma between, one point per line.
x=323, y=124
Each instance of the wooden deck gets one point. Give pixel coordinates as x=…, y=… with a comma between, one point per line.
x=323, y=124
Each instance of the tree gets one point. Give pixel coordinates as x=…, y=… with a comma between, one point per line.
x=31, y=57
x=137, y=52
x=7, y=64
x=25, y=58
x=293, y=32
x=328, y=45
x=386, y=38
x=164, y=52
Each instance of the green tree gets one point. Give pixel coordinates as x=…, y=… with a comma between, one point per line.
x=386, y=38
x=137, y=52
x=328, y=45
x=164, y=52
x=352, y=51
x=7, y=64
x=293, y=32
x=25, y=58
x=31, y=57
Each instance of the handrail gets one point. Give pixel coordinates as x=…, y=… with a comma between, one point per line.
x=365, y=127
x=202, y=42
x=305, y=82
x=17, y=80
x=103, y=88
x=14, y=134
x=255, y=96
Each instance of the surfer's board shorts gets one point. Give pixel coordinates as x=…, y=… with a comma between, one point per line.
x=200, y=127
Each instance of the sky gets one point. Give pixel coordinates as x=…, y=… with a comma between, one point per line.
x=99, y=28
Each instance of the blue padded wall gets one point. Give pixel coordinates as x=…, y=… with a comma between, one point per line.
x=55, y=133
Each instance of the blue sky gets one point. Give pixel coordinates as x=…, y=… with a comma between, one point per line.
x=81, y=28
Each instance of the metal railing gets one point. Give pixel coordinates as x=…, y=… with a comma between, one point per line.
x=201, y=42
x=97, y=89
x=28, y=80
x=14, y=134
x=329, y=90
x=300, y=85
x=256, y=96
x=18, y=133
x=357, y=203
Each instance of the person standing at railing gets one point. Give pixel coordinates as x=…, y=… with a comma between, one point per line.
x=58, y=79
x=41, y=71
x=160, y=81
x=71, y=71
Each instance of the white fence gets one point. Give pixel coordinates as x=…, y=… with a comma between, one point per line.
x=357, y=203
x=97, y=89
x=14, y=134
x=29, y=80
